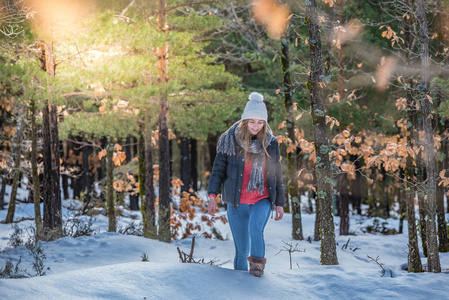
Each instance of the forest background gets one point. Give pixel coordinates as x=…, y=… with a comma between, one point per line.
x=118, y=99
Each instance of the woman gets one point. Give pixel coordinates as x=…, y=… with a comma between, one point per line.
x=248, y=167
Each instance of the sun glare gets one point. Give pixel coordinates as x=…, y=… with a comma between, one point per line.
x=58, y=19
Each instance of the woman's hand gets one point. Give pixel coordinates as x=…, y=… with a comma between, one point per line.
x=279, y=213
x=212, y=205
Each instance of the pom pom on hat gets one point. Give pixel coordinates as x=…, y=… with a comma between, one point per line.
x=255, y=108
x=255, y=96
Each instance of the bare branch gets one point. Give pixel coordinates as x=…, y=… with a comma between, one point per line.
x=126, y=8
x=189, y=4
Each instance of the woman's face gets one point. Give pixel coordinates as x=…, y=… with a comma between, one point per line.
x=255, y=126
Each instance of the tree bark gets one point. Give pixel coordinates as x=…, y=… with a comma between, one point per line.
x=185, y=164
x=141, y=154
x=317, y=230
x=17, y=156
x=65, y=186
x=164, y=151
x=65, y=178
x=356, y=187
x=292, y=182
x=443, y=241
x=52, y=194
x=344, y=204
x=128, y=149
x=51, y=157
x=2, y=172
x=433, y=260
x=150, y=229
x=373, y=202
x=386, y=204
x=86, y=172
x=110, y=203
x=322, y=144
x=35, y=174
x=413, y=258
x=194, y=164
x=2, y=193
x=401, y=200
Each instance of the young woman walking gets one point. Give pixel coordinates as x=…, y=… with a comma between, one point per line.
x=247, y=170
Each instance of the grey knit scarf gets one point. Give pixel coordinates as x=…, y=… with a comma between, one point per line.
x=227, y=145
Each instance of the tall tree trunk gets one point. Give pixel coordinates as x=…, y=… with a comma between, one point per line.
x=128, y=149
x=443, y=245
x=77, y=179
x=327, y=70
x=150, y=228
x=86, y=172
x=65, y=178
x=322, y=144
x=443, y=241
x=317, y=230
x=30, y=198
x=65, y=186
x=133, y=201
x=356, y=187
x=110, y=203
x=2, y=193
x=52, y=192
x=421, y=203
x=164, y=151
x=344, y=204
x=400, y=191
x=133, y=197
x=385, y=202
x=17, y=156
x=433, y=260
x=185, y=164
x=373, y=202
x=194, y=164
x=35, y=174
x=402, y=209
x=141, y=154
x=2, y=172
x=446, y=161
x=413, y=258
x=292, y=182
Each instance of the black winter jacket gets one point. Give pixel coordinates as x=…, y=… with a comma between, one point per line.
x=227, y=172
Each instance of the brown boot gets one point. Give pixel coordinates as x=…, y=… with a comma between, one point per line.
x=256, y=265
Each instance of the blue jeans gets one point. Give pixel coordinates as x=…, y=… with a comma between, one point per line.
x=247, y=225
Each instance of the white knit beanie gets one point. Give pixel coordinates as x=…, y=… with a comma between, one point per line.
x=255, y=108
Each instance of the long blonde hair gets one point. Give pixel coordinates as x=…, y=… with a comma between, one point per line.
x=246, y=136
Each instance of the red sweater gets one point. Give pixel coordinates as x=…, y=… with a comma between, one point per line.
x=252, y=197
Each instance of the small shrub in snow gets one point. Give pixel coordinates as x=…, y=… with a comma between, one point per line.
x=188, y=258
x=132, y=228
x=288, y=247
x=145, y=257
x=16, y=238
x=75, y=227
x=379, y=227
x=12, y=271
x=37, y=252
x=217, y=234
x=381, y=265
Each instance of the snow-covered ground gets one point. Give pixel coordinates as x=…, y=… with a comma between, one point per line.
x=109, y=266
